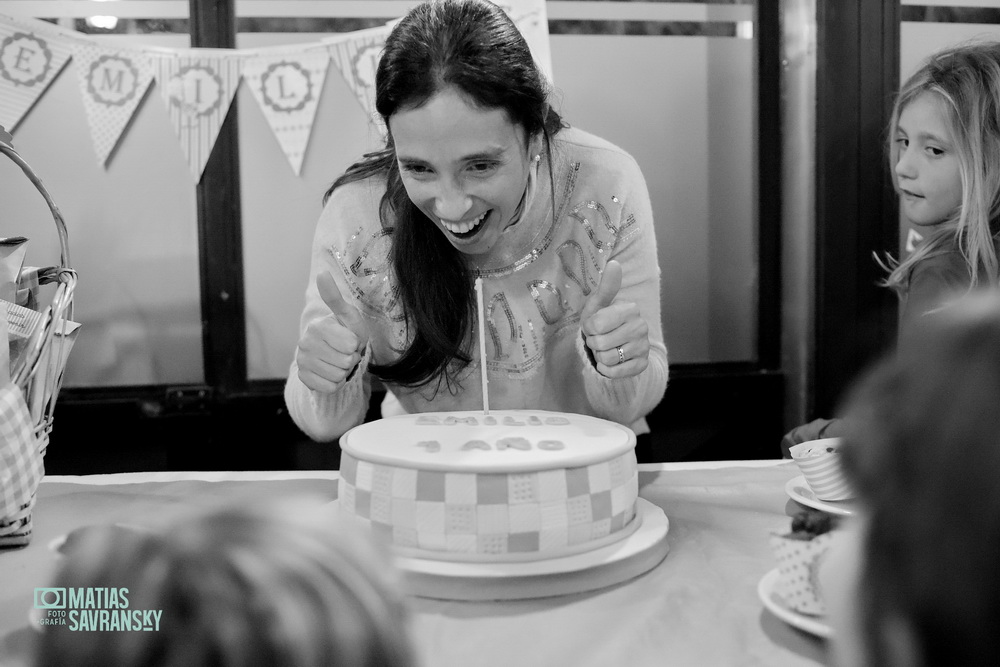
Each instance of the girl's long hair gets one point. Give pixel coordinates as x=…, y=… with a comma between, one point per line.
x=473, y=46
x=966, y=78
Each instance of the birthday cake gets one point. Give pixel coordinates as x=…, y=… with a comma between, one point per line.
x=507, y=486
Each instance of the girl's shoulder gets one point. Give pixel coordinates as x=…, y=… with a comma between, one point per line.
x=585, y=161
x=351, y=234
x=601, y=184
x=358, y=199
x=946, y=265
x=351, y=212
x=581, y=146
x=350, y=226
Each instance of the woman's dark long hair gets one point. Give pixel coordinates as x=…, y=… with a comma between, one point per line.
x=473, y=46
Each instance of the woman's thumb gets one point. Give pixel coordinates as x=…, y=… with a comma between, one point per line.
x=611, y=282
x=332, y=297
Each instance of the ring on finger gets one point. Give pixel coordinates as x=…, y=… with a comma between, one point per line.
x=621, y=354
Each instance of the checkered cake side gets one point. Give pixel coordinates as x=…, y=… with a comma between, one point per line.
x=491, y=513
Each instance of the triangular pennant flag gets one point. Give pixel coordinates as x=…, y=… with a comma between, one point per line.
x=30, y=60
x=356, y=55
x=287, y=87
x=197, y=86
x=913, y=239
x=112, y=84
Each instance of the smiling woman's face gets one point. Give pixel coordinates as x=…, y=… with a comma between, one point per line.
x=466, y=168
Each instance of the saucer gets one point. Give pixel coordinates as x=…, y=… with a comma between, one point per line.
x=814, y=625
x=799, y=491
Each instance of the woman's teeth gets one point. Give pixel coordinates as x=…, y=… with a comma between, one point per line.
x=463, y=227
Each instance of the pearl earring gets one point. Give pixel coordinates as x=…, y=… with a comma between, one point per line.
x=538, y=158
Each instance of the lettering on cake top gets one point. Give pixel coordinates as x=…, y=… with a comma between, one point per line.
x=522, y=444
x=505, y=443
x=514, y=443
x=504, y=440
x=454, y=420
x=476, y=444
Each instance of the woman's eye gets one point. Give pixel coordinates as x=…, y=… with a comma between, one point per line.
x=483, y=167
x=417, y=169
x=935, y=151
x=903, y=142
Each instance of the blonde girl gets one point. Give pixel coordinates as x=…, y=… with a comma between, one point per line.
x=944, y=152
x=945, y=155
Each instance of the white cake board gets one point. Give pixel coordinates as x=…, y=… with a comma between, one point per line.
x=636, y=554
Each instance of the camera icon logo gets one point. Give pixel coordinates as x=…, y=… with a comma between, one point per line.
x=50, y=598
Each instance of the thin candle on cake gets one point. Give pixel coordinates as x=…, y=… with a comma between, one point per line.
x=481, y=315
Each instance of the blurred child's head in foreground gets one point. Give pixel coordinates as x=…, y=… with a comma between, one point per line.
x=281, y=584
x=923, y=450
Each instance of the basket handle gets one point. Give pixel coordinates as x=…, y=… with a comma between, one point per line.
x=7, y=148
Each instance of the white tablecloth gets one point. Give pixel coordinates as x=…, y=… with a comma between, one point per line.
x=698, y=607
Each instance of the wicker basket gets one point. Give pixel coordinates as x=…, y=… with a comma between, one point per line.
x=37, y=376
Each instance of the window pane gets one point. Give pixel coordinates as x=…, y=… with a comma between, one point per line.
x=132, y=223
x=679, y=94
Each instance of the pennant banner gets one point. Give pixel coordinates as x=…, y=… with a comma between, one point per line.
x=287, y=87
x=112, y=83
x=198, y=85
x=356, y=55
x=197, y=88
x=29, y=62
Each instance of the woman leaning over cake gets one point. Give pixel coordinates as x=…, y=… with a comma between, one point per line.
x=479, y=178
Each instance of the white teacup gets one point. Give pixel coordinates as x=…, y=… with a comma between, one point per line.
x=819, y=461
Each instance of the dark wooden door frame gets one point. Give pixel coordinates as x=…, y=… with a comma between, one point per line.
x=856, y=209
x=220, y=238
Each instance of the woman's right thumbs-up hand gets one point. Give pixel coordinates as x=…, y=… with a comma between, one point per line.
x=331, y=346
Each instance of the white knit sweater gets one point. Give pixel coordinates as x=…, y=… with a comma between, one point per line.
x=535, y=282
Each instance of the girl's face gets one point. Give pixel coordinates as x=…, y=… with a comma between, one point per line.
x=464, y=167
x=928, y=175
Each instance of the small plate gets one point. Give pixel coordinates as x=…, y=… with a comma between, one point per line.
x=799, y=491
x=814, y=625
